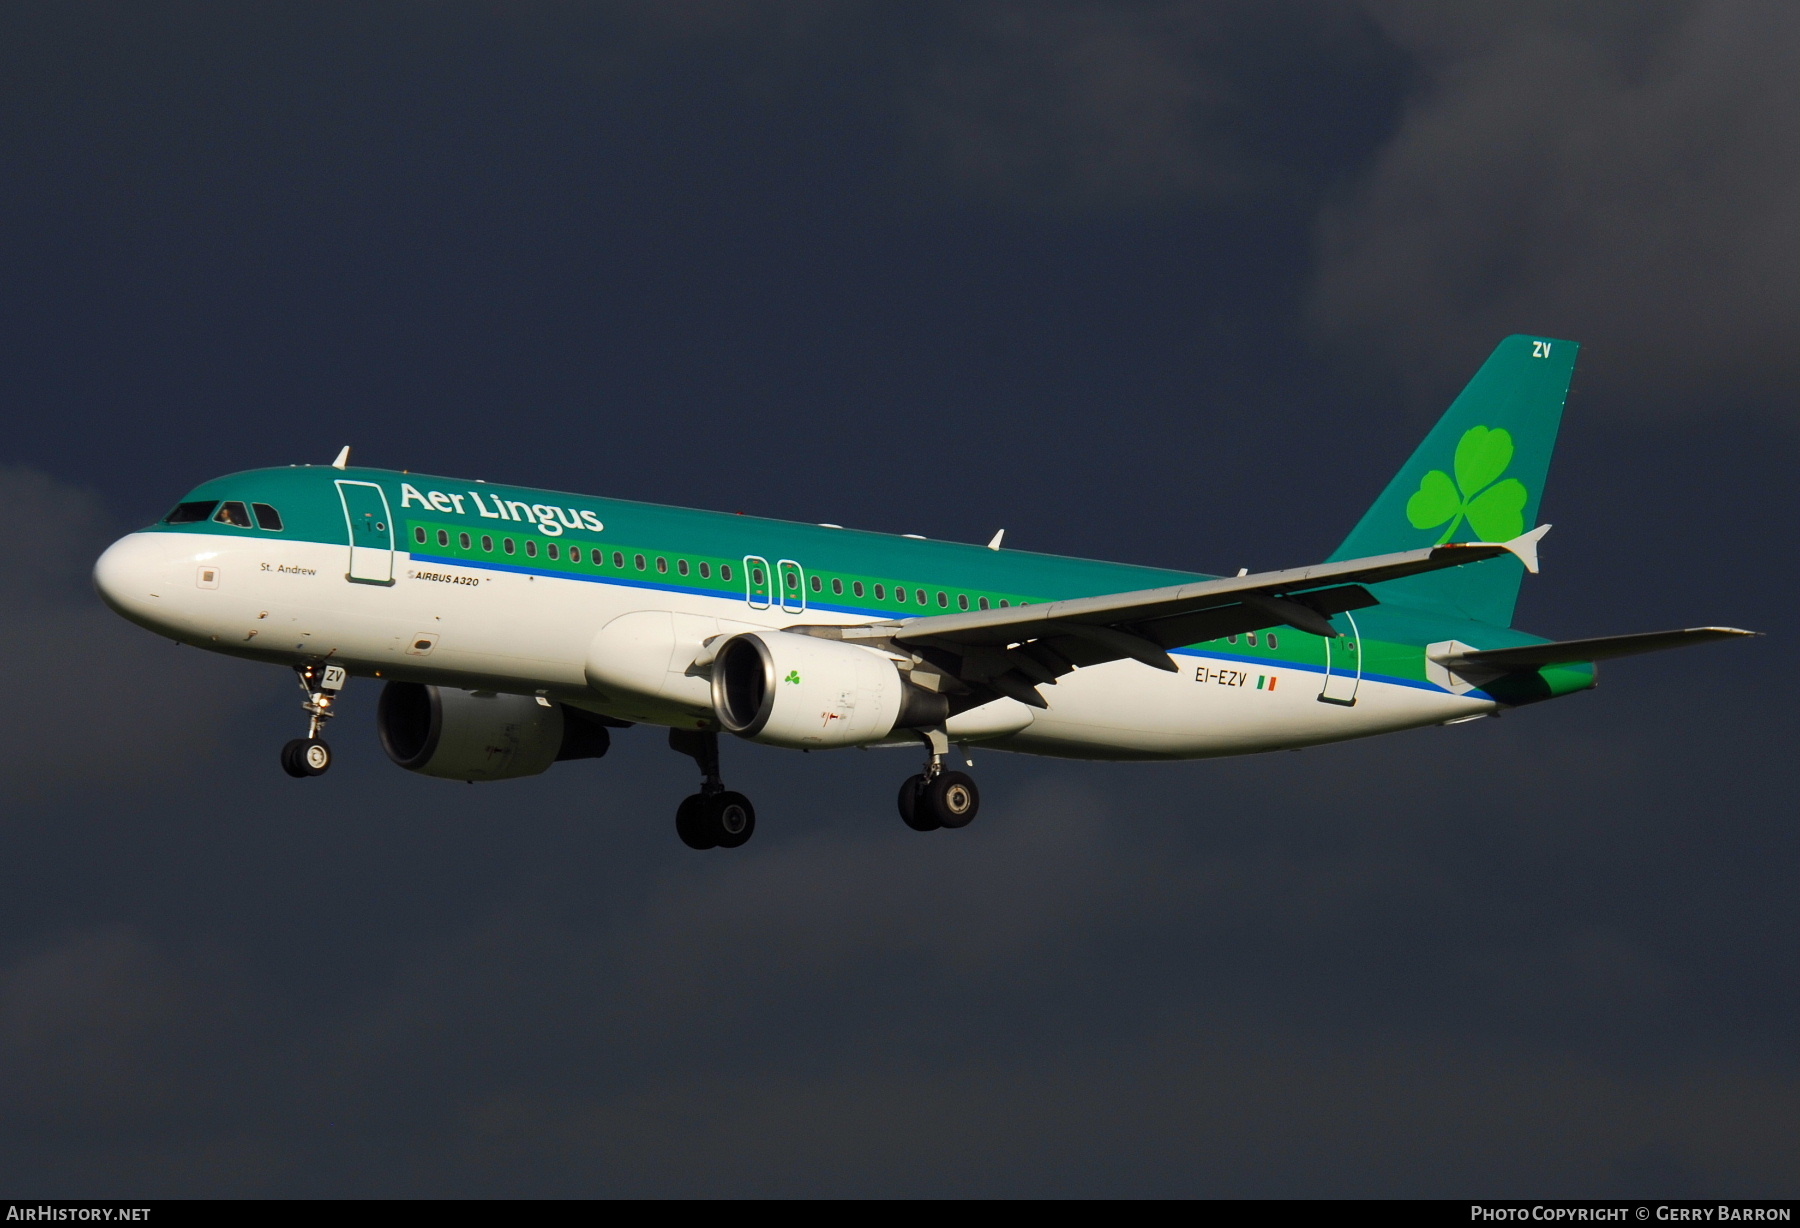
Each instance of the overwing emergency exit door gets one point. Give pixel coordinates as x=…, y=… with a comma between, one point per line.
x=756, y=582
x=371, y=529
x=793, y=587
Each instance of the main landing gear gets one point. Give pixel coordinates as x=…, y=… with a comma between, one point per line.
x=311, y=755
x=715, y=817
x=936, y=798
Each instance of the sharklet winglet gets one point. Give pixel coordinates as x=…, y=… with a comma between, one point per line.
x=1523, y=547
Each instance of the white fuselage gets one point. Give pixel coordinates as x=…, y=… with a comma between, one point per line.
x=628, y=651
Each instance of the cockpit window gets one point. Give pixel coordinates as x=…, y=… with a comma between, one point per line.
x=266, y=517
x=191, y=513
x=234, y=513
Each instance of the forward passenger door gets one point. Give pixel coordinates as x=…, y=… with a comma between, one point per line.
x=371, y=528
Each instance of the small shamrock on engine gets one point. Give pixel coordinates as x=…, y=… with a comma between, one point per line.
x=793, y=677
x=1495, y=510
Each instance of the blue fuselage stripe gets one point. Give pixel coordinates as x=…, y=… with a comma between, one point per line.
x=1265, y=663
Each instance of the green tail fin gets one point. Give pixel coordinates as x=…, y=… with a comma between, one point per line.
x=1478, y=476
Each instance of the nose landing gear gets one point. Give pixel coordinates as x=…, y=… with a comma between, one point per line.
x=936, y=798
x=311, y=755
x=715, y=817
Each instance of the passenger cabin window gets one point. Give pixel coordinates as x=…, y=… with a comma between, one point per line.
x=266, y=517
x=681, y=566
x=920, y=593
x=574, y=554
x=962, y=601
x=942, y=600
x=1272, y=642
x=899, y=594
x=552, y=549
x=508, y=544
x=816, y=583
x=1250, y=639
x=984, y=604
x=705, y=571
x=639, y=560
x=837, y=588
x=880, y=594
x=662, y=565
x=443, y=538
x=530, y=549
x=725, y=572
x=234, y=513
x=463, y=540
x=487, y=543
x=191, y=513
x=618, y=559
x=857, y=588
x=419, y=536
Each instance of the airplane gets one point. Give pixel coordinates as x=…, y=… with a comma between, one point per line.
x=515, y=628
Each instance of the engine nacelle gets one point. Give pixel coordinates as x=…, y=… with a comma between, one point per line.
x=799, y=690
x=462, y=735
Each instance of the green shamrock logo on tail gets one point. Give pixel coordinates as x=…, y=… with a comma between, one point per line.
x=1495, y=510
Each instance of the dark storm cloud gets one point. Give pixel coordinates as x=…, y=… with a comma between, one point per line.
x=1065, y=107
x=1619, y=174
x=1079, y=105
x=106, y=701
x=1217, y=987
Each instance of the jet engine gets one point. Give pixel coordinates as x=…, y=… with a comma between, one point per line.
x=470, y=735
x=802, y=691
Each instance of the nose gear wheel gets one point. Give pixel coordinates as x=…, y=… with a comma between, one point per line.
x=320, y=683
x=304, y=757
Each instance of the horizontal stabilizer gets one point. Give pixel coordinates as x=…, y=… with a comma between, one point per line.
x=1603, y=648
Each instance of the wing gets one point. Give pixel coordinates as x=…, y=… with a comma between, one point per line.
x=980, y=654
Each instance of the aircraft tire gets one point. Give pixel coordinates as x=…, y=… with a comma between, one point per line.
x=914, y=812
x=952, y=799
x=305, y=757
x=691, y=823
x=732, y=818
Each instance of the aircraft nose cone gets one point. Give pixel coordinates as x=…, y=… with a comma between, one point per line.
x=127, y=576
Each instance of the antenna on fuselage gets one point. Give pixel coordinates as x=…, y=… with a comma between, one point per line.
x=995, y=544
x=343, y=458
